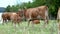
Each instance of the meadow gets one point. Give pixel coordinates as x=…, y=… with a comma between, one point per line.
x=23, y=29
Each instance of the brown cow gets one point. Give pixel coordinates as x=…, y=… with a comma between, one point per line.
x=15, y=18
x=6, y=16
x=34, y=13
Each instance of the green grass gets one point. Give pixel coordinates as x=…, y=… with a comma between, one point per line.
x=37, y=29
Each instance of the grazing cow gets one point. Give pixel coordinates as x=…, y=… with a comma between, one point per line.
x=6, y=16
x=58, y=19
x=31, y=14
x=15, y=18
x=35, y=13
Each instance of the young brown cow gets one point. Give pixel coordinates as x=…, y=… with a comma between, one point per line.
x=15, y=18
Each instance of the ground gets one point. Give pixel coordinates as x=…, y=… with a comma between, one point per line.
x=37, y=29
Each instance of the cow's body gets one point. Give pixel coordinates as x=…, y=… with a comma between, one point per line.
x=15, y=18
x=33, y=13
x=6, y=16
x=10, y=16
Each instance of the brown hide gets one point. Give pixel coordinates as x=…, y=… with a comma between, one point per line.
x=36, y=21
x=34, y=13
x=41, y=11
x=6, y=16
x=15, y=18
x=10, y=15
x=31, y=13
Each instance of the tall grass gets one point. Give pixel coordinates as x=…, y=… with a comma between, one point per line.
x=36, y=29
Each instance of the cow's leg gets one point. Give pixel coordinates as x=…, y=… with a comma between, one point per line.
x=18, y=24
x=3, y=21
x=32, y=24
x=29, y=18
x=28, y=22
x=45, y=22
x=6, y=21
x=46, y=16
x=47, y=19
x=14, y=23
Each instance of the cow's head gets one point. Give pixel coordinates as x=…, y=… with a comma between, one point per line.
x=21, y=12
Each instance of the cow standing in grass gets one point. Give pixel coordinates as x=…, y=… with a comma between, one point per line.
x=6, y=16
x=34, y=13
x=15, y=18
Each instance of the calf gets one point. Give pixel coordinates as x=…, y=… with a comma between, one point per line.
x=15, y=18
x=5, y=17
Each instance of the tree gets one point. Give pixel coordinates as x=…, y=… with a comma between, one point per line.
x=8, y=8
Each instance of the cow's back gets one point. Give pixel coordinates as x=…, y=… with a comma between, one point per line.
x=32, y=12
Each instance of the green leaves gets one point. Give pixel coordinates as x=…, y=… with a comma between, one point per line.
x=8, y=8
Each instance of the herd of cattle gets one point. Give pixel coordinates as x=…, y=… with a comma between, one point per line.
x=31, y=14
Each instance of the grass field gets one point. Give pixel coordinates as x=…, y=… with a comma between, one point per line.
x=37, y=29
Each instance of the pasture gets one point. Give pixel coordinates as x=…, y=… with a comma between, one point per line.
x=37, y=29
